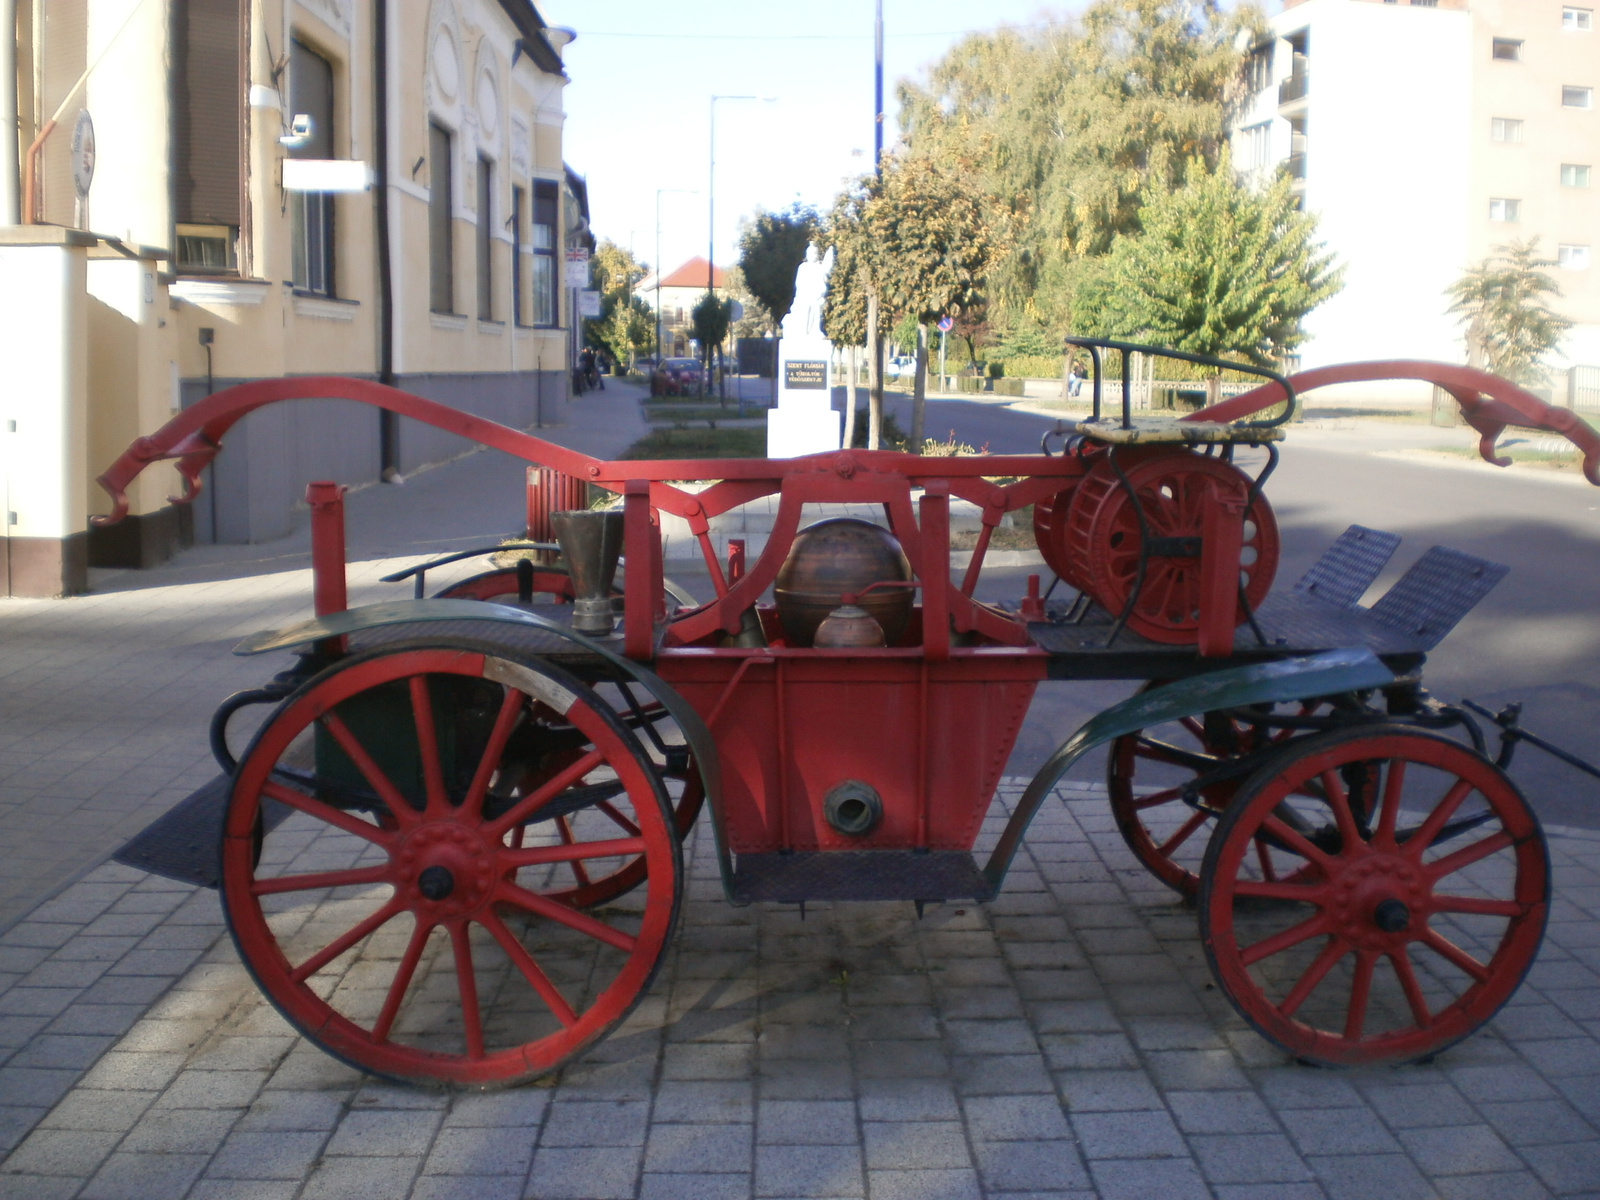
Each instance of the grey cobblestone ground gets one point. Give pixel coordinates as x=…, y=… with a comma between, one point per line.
x=1062, y=1041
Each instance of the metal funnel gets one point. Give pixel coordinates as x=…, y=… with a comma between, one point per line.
x=591, y=543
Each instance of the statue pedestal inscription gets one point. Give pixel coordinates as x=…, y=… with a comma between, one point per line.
x=804, y=421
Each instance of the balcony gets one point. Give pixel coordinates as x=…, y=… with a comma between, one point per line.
x=1296, y=166
x=1294, y=88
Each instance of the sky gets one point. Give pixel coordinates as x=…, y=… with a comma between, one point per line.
x=643, y=74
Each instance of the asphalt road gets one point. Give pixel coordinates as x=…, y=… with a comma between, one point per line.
x=1535, y=639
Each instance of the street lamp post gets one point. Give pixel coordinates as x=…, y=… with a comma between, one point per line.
x=877, y=92
x=659, y=193
x=711, y=197
x=874, y=342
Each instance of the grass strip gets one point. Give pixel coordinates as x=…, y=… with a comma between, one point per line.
x=699, y=443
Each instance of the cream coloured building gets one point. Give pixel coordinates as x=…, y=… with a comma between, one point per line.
x=190, y=260
x=673, y=296
x=1424, y=135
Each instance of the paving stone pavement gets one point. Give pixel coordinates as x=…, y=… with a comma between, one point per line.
x=1064, y=1040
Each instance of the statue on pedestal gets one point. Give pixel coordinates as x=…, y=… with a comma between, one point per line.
x=805, y=421
x=810, y=281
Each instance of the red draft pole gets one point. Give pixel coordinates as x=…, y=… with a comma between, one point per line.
x=327, y=547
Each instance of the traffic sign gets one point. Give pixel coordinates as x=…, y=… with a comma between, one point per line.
x=946, y=324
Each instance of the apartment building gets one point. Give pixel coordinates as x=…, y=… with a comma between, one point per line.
x=1424, y=135
x=215, y=191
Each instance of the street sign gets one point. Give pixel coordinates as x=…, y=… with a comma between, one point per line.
x=946, y=324
x=588, y=303
x=577, y=268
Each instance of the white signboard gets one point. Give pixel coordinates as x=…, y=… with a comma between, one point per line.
x=326, y=175
x=577, y=268
x=588, y=303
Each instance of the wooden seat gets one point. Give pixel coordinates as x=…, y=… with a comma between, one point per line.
x=1149, y=431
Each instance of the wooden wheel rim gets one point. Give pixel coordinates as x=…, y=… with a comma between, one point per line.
x=1159, y=857
x=1159, y=853
x=457, y=839
x=1349, y=888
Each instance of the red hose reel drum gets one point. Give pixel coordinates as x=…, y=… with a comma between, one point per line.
x=1097, y=539
x=1049, y=529
x=1050, y=526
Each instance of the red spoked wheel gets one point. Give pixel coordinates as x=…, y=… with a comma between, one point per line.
x=597, y=885
x=415, y=916
x=554, y=585
x=1151, y=777
x=1174, y=488
x=1401, y=900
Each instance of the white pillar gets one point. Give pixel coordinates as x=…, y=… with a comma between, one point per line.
x=43, y=315
x=10, y=152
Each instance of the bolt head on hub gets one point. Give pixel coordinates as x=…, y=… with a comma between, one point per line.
x=1391, y=916
x=436, y=883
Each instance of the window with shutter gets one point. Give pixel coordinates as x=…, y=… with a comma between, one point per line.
x=485, y=239
x=519, y=308
x=545, y=200
x=441, y=230
x=311, y=95
x=207, y=117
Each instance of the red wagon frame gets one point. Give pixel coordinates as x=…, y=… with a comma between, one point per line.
x=771, y=730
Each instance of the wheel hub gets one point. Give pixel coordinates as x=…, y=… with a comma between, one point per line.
x=1375, y=898
x=450, y=868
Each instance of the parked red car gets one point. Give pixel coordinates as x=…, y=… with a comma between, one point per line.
x=675, y=377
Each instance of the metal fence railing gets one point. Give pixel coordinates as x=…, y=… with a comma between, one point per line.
x=1583, y=389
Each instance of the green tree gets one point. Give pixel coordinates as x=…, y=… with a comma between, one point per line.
x=937, y=234
x=855, y=289
x=1070, y=124
x=771, y=250
x=755, y=321
x=1502, y=301
x=624, y=331
x=625, y=324
x=855, y=265
x=709, y=321
x=972, y=326
x=1218, y=269
x=1026, y=340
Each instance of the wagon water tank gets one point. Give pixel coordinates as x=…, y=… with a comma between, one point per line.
x=842, y=557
